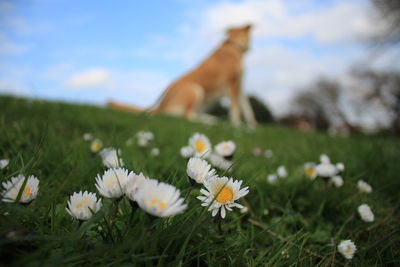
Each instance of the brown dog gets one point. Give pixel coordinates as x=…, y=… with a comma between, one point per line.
x=218, y=75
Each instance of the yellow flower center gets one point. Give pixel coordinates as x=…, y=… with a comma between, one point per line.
x=225, y=147
x=27, y=191
x=225, y=195
x=83, y=202
x=309, y=171
x=95, y=147
x=199, y=146
x=162, y=205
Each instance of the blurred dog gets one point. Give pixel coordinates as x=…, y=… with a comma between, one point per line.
x=220, y=74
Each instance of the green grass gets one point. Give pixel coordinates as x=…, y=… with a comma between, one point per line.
x=304, y=216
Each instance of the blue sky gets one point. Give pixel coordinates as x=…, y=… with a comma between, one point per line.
x=93, y=51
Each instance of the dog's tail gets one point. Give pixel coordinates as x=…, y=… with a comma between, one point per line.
x=119, y=106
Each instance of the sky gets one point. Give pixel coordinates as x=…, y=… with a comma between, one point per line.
x=129, y=51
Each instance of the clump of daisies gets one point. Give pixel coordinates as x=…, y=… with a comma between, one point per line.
x=225, y=149
x=365, y=213
x=26, y=187
x=144, y=138
x=199, y=170
x=347, y=248
x=330, y=171
x=112, y=183
x=268, y=153
x=4, y=163
x=82, y=205
x=257, y=151
x=272, y=178
x=160, y=199
x=221, y=193
x=96, y=145
x=364, y=187
x=110, y=157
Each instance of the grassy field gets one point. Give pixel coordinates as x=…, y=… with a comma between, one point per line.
x=296, y=222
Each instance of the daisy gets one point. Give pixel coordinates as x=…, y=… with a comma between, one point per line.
x=310, y=171
x=132, y=186
x=347, y=249
x=155, y=152
x=244, y=210
x=221, y=194
x=87, y=136
x=268, y=153
x=365, y=213
x=112, y=183
x=282, y=172
x=272, y=178
x=220, y=162
x=337, y=180
x=160, y=199
x=324, y=159
x=82, y=206
x=200, y=144
x=144, y=138
x=199, y=170
x=326, y=170
x=110, y=158
x=225, y=149
x=187, y=152
x=4, y=163
x=340, y=166
x=364, y=187
x=13, y=186
x=96, y=145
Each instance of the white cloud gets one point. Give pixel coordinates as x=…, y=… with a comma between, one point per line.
x=90, y=78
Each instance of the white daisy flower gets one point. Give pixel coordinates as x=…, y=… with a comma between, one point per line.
x=4, y=163
x=145, y=135
x=199, y=170
x=337, y=180
x=365, y=213
x=282, y=172
x=96, y=145
x=326, y=170
x=225, y=148
x=347, y=248
x=110, y=158
x=112, y=183
x=143, y=142
x=132, y=186
x=160, y=199
x=310, y=170
x=272, y=178
x=13, y=186
x=257, y=151
x=200, y=144
x=268, y=153
x=220, y=162
x=364, y=187
x=187, y=152
x=221, y=194
x=82, y=206
x=340, y=166
x=155, y=152
x=87, y=136
x=324, y=159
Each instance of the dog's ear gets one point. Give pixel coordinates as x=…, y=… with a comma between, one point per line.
x=229, y=31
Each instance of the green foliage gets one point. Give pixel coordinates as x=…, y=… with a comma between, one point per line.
x=45, y=139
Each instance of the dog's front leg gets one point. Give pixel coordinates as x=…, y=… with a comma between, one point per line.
x=234, y=93
x=247, y=111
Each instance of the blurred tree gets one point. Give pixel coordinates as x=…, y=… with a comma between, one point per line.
x=261, y=111
x=388, y=13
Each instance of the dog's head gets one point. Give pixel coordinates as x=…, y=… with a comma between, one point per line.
x=240, y=36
